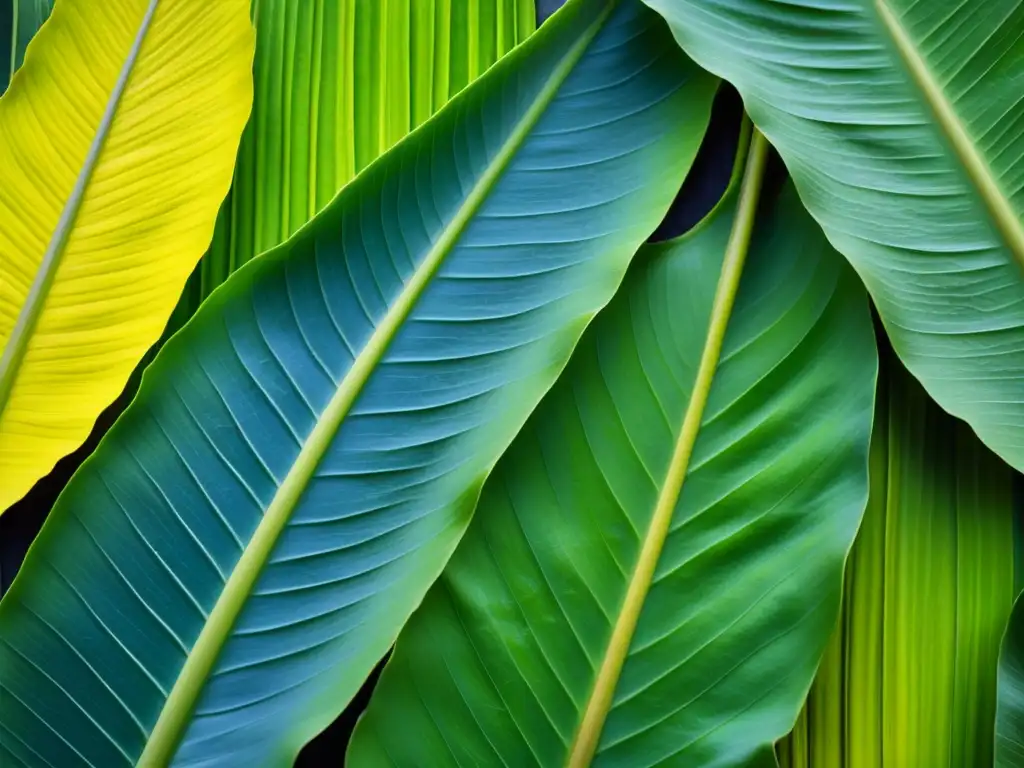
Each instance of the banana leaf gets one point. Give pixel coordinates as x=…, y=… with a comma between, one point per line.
x=338, y=82
x=117, y=139
x=424, y=78
x=654, y=567
x=900, y=122
x=223, y=572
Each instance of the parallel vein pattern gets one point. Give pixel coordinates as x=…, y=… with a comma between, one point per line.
x=119, y=590
x=1010, y=707
x=117, y=140
x=901, y=123
x=910, y=675
x=338, y=82
x=499, y=662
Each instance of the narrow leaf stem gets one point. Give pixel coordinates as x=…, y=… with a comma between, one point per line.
x=15, y=21
x=586, y=741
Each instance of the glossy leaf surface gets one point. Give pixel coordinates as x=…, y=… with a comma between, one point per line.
x=117, y=139
x=900, y=121
x=732, y=582
x=222, y=574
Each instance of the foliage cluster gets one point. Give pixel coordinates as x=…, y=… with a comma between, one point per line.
x=421, y=368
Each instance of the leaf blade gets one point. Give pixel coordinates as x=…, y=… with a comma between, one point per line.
x=101, y=222
x=23, y=19
x=226, y=408
x=499, y=664
x=1010, y=705
x=929, y=587
x=899, y=134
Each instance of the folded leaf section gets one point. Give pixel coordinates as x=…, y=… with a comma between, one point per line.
x=900, y=122
x=499, y=663
x=222, y=574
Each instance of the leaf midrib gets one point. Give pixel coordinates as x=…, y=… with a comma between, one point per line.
x=964, y=146
x=28, y=317
x=586, y=739
x=177, y=709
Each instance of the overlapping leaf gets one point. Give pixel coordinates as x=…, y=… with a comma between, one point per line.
x=19, y=21
x=649, y=580
x=221, y=575
x=338, y=82
x=911, y=673
x=1010, y=706
x=900, y=121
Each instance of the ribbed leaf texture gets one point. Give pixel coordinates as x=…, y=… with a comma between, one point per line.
x=338, y=82
x=430, y=26
x=117, y=141
x=508, y=658
x=910, y=676
x=224, y=571
x=900, y=121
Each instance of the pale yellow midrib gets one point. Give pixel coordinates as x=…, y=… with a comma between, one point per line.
x=977, y=168
x=16, y=346
x=173, y=718
x=585, y=743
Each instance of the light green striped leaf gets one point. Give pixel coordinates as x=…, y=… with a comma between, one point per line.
x=338, y=82
x=910, y=677
x=900, y=121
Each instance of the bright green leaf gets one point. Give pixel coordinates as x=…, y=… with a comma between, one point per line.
x=654, y=567
x=911, y=673
x=338, y=82
x=301, y=459
x=901, y=123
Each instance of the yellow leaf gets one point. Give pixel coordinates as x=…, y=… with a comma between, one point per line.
x=117, y=141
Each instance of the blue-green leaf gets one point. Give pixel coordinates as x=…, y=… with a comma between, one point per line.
x=900, y=121
x=655, y=564
x=19, y=21
x=1010, y=703
x=221, y=575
